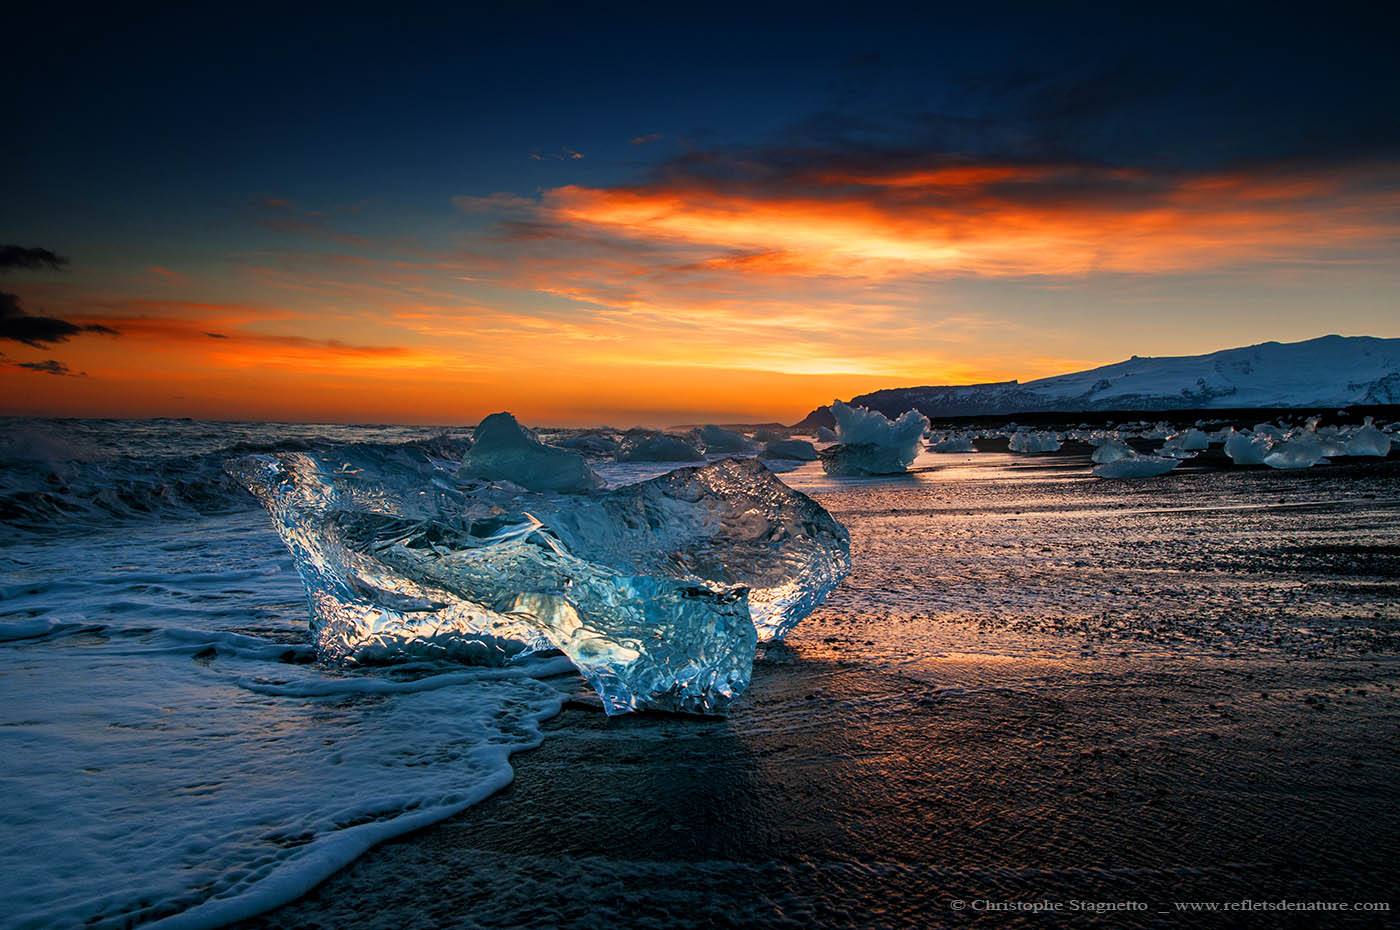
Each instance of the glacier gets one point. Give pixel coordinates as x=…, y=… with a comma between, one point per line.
x=658, y=592
x=872, y=444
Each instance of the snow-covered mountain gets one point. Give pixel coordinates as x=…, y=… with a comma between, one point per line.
x=1330, y=371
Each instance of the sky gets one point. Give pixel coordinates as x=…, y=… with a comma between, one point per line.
x=649, y=216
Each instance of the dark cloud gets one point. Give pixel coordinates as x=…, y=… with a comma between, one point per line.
x=50, y=367
x=38, y=331
x=17, y=256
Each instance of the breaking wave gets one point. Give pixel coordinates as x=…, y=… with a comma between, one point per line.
x=52, y=481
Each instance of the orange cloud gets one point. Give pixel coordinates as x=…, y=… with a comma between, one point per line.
x=987, y=221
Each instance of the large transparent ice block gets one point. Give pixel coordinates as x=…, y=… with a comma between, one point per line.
x=657, y=591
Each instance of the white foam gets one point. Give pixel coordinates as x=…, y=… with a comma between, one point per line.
x=146, y=786
x=165, y=766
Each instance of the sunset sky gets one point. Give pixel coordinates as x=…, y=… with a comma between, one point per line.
x=650, y=217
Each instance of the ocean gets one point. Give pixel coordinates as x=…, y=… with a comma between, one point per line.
x=1032, y=683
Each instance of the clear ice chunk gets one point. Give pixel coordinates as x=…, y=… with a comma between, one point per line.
x=1247, y=449
x=961, y=443
x=1192, y=440
x=503, y=450
x=1136, y=466
x=862, y=461
x=1303, y=448
x=644, y=445
x=798, y=450
x=872, y=444
x=1033, y=443
x=591, y=442
x=1368, y=441
x=718, y=439
x=1112, y=450
x=656, y=591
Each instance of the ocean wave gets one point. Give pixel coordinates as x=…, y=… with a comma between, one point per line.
x=53, y=482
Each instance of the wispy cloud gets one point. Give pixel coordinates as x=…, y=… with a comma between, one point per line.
x=33, y=259
x=37, y=330
x=50, y=367
x=563, y=154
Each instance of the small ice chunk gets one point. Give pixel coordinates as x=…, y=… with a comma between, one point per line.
x=825, y=435
x=1192, y=440
x=1302, y=449
x=799, y=450
x=602, y=443
x=644, y=445
x=503, y=450
x=1368, y=441
x=718, y=439
x=767, y=435
x=1111, y=450
x=864, y=461
x=1034, y=443
x=1136, y=466
x=872, y=444
x=1246, y=449
x=961, y=443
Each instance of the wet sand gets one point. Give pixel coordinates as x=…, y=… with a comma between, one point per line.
x=1033, y=690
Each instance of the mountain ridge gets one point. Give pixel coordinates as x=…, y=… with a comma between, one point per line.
x=1330, y=370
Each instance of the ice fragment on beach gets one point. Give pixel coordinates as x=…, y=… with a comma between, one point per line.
x=718, y=439
x=872, y=444
x=1034, y=443
x=1192, y=440
x=1136, y=466
x=1112, y=450
x=503, y=450
x=591, y=442
x=961, y=443
x=656, y=591
x=1302, y=449
x=796, y=449
x=1247, y=449
x=1368, y=441
x=644, y=445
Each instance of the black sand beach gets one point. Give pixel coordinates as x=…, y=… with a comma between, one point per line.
x=1039, y=699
